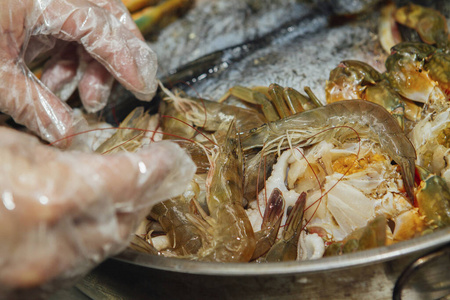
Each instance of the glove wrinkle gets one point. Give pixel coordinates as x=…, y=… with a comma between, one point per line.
x=75, y=209
x=106, y=33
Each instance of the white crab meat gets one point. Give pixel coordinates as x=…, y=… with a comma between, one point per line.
x=311, y=246
x=277, y=180
x=349, y=206
x=337, y=202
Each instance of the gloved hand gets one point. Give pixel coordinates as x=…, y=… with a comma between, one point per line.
x=106, y=40
x=63, y=212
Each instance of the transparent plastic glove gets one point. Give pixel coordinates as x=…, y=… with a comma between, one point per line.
x=100, y=32
x=63, y=212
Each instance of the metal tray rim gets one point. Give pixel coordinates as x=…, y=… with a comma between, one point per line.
x=419, y=245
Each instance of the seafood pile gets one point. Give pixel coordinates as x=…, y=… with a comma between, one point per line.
x=283, y=175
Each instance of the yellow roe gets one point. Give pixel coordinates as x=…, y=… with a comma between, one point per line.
x=350, y=164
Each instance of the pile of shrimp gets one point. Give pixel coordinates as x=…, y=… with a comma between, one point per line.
x=284, y=176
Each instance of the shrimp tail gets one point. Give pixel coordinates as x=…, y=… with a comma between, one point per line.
x=287, y=247
x=273, y=214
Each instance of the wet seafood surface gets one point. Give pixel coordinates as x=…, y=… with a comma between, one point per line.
x=220, y=45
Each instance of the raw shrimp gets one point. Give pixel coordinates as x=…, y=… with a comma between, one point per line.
x=275, y=101
x=128, y=139
x=231, y=237
x=256, y=170
x=209, y=115
x=226, y=233
x=368, y=119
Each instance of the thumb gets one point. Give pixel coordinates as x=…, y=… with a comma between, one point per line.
x=74, y=209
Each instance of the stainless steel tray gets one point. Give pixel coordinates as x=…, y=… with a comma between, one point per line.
x=414, y=269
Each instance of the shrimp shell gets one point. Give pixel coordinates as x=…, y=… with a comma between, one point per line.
x=232, y=236
x=368, y=119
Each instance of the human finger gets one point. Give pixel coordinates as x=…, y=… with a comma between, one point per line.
x=118, y=9
x=96, y=82
x=60, y=74
x=94, y=86
x=30, y=103
x=85, y=204
x=93, y=80
x=124, y=55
